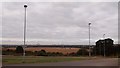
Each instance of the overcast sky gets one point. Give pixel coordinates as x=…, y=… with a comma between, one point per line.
x=59, y=22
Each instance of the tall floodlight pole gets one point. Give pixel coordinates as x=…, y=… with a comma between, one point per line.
x=89, y=40
x=104, y=44
x=25, y=6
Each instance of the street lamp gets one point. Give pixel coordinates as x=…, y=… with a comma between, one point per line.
x=89, y=39
x=104, y=44
x=25, y=6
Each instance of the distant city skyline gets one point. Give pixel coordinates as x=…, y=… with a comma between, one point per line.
x=60, y=22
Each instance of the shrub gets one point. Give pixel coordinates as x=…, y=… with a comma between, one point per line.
x=82, y=52
x=40, y=53
x=19, y=49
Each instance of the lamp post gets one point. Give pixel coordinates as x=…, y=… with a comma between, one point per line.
x=89, y=40
x=25, y=6
x=104, y=44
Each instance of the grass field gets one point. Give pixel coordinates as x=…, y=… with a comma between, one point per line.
x=37, y=59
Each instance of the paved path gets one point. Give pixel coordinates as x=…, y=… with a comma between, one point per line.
x=94, y=62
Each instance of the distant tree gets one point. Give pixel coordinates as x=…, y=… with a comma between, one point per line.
x=29, y=53
x=19, y=49
x=8, y=52
x=101, y=45
x=117, y=50
x=41, y=53
x=72, y=54
x=82, y=52
x=58, y=54
x=98, y=49
x=53, y=54
x=109, y=49
x=36, y=53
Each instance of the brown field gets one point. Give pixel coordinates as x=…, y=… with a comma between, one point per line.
x=63, y=50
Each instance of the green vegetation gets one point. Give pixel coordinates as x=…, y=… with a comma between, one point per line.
x=82, y=52
x=107, y=47
x=15, y=56
x=19, y=49
x=38, y=59
x=8, y=52
x=103, y=47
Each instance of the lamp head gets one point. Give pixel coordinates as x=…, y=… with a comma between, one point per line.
x=25, y=5
x=89, y=23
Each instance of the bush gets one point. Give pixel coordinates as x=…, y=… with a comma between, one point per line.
x=44, y=53
x=29, y=53
x=82, y=52
x=72, y=54
x=54, y=54
x=40, y=53
x=8, y=52
x=19, y=49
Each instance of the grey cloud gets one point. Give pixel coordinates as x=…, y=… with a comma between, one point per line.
x=64, y=20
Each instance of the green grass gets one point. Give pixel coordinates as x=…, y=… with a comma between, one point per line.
x=37, y=59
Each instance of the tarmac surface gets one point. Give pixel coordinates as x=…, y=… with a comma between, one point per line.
x=93, y=62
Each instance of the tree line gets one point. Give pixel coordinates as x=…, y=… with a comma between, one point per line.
x=103, y=47
x=19, y=51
